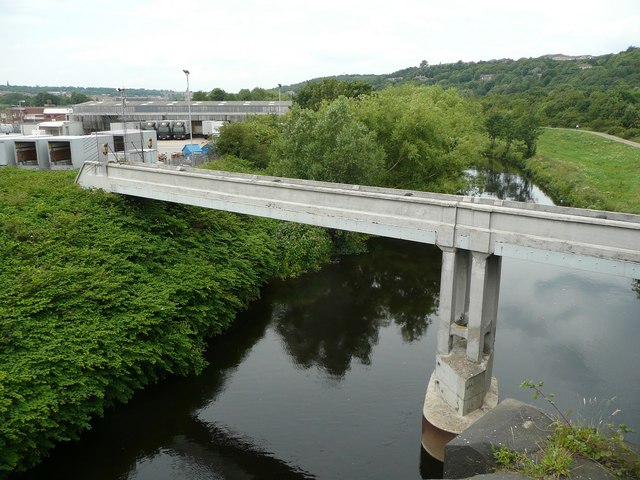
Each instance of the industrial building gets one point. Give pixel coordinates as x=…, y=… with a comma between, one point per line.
x=67, y=152
x=99, y=115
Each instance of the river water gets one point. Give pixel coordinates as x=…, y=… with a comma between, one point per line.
x=325, y=376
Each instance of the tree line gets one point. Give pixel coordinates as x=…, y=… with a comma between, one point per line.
x=41, y=99
x=244, y=94
x=599, y=92
x=402, y=137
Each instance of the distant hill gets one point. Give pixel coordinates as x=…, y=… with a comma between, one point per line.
x=599, y=92
x=88, y=91
x=484, y=77
x=512, y=76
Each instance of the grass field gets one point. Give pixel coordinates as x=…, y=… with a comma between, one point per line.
x=583, y=170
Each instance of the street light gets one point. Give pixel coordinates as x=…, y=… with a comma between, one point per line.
x=279, y=102
x=186, y=72
x=124, y=120
x=21, y=112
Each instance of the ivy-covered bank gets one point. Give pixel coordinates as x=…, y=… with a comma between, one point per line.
x=101, y=295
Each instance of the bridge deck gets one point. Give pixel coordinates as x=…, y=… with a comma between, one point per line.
x=584, y=239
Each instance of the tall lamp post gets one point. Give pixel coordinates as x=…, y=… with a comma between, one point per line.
x=186, y=72
x=21, y=112
x=279, y=101
x=124, y=120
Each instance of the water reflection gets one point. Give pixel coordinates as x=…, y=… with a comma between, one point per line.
x=504, y=183
x=575, y=330
x=328, y=395
x=158, y=436
x=334, y=319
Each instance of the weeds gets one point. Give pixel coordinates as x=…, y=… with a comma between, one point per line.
x=603, y=445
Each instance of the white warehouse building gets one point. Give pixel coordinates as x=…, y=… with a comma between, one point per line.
x=99, y=115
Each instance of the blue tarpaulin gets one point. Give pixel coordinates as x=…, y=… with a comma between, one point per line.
x=192, y=148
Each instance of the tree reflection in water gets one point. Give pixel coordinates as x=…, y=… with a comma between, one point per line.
x=497, y=181
x=337, y=313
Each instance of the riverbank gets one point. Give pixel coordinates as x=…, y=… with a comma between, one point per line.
x=102, y=295
x=586, y=171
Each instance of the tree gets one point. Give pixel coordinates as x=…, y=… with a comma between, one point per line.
x=312, y=94
x=199, y=96
x=77, y=97
x=258, y=94
x=429, y=135
x=631, y=117
x=528, y=131
x=13, y=98
x=330, y=145
x=495, y=125
x=42, y=99
x=217, y=94
x=250, y=140
x=244, y=94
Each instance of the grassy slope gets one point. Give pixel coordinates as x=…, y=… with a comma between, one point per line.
x=587, y=171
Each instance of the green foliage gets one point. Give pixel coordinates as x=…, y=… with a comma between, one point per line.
x=555, y=462
x=604, y=446
x=250, y=140
x=578, y=168
x=300, y=248
x=10, y=99
x=43, y=98
x=329, y=145
x=313, y=94
x=598, y=92
x=230, y=163
x=429, y=135
x=255, y=94
x=102, y=294
x=407, y=137
x=508, y=122
x=31, y=91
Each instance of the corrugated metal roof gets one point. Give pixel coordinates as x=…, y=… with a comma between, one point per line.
x=57, y=111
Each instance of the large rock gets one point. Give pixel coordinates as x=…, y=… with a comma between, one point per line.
x=515, y=424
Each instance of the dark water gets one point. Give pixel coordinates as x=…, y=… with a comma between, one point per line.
x=506, y=184
x=325, y=376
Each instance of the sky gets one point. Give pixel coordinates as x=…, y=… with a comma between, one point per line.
x=235, y=44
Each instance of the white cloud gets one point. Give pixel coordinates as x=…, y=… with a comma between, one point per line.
x=248, y=43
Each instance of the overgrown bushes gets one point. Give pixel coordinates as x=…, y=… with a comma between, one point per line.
x=102, y=294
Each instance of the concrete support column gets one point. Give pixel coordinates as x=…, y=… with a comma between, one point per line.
x=453, y=304
x=484, y=290
x=462, y=382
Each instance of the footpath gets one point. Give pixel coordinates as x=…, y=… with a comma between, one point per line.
x=604, y=135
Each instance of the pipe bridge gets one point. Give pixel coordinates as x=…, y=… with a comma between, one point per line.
x=473, y=233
